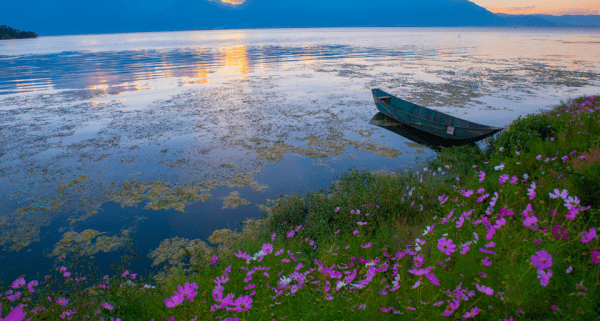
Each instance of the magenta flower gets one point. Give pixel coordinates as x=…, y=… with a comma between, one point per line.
x=481, y=176
x=362, y=306
x=62, y=301
x=214, y=259
x=241, y=255
x=63, y=269
x=531, y=191
x=243, y=303
x=432, y=278
x=67, y=274
x=503, y=179
x=557, y=193
x=273, y=236
x=486, y=261
x=544, y=277
x=15, y=315
x=188, y=291
x=595, y=257
x=368, y=245
x=267, y=248
x=542, y=260
x=530, y=220
x=20, y=282
x=585, y=237
x=417, y=284
x=514, y=179
x=30, y=286
x=173, y=301
x=107, y=306
x=355, y=232
x=446, y=246
x=484, y=289
x=418, y=260
x=453, y=305
x=475, y=311
x=559, y=232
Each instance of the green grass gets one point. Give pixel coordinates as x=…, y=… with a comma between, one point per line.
x=445, y=199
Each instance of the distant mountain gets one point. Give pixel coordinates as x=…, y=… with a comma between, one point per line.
x=60, y=17
x=549, y=20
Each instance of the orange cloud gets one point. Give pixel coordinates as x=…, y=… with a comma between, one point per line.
x=550, y=11
x=234, y=2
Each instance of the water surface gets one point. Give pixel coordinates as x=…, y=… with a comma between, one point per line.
x=175, y=134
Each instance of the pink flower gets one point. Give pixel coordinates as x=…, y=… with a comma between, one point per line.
x=531, y=191
x=267, y=248
x=481, y=176
x=107, y=306
x=595, y=257
x=62, y=301
x=542, y=260
x=453, y=305
x=67, y=274
x=362, y=306
x=273, y=236
x=544, y=277
x=514, y=179
x=126, y=273
x=531, y=220
x=188, y=291
x=15, y=315
x=484, y=289
x=503, y=179
x=368, y=245
x=63, y=269
x=558, y=193
x=432, y=278
x=585, y=237
x=173, y=301
x=474, y=311
x=214, y=259
x=355, y=232
x=418, y=260
x=20, y=282
x=446, y=246
x=243, y=303
x=486, y=261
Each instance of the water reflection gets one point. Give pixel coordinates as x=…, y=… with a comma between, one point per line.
x=417, y=136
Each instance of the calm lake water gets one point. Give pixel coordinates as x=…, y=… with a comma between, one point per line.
x=176, y=134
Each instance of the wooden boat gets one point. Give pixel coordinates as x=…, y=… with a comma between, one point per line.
x=450, y=128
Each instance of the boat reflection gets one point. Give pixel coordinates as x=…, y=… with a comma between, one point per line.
x=420, y=137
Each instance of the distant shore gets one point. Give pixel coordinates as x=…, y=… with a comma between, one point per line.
x=10, y=33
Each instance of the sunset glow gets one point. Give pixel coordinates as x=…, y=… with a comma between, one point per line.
x=551, y=7
x=234, y=2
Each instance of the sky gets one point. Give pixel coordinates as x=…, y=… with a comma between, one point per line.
x=553, y=7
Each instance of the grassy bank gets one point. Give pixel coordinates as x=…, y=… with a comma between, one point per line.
x=505, y=233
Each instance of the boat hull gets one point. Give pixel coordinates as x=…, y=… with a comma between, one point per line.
x=431, y=121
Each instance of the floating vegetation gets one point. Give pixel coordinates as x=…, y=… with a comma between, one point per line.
x=62, y=188
x=180, y=254
x=81, y=243
x=233, y=200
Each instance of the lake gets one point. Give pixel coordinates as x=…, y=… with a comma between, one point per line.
x=175, y=134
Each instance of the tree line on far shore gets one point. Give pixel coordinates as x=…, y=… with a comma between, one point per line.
x=10, y=33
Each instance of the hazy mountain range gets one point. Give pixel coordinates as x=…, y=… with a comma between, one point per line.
x=59, y=17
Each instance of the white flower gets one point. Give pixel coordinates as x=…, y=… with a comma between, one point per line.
x=499, y=167
x=148, y=286
x=285, y=280
x=525, y=176
x=372, y=263
x=340, y=284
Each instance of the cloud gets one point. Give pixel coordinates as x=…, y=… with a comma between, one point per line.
x=549, y=11
x=234, y=2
